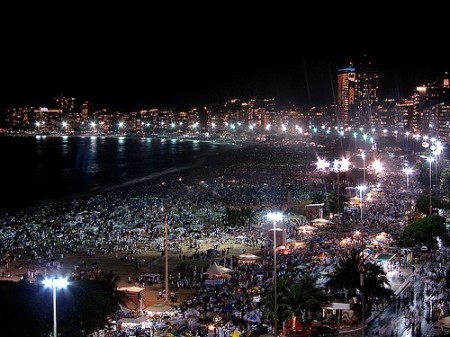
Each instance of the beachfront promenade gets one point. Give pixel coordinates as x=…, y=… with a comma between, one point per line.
x=421, y=303
x=399, y=281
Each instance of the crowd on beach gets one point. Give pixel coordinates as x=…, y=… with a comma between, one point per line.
x=126, y=223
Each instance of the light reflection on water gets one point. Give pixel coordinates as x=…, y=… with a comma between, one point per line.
x=51, y=168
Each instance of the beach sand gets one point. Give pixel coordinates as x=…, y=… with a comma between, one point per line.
x=155, y=264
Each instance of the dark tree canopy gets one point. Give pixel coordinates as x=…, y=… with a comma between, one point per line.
x=82, y=307
x=346, y=278
x=423, y=231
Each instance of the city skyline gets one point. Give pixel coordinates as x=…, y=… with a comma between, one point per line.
x=301, y=78
x=200, y=59
x=134, y=58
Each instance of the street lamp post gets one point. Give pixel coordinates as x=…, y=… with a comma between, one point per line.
x=336, y=166
x=275, y=216
x=408, y=171
x=361, y=189
x=54, y=284
x=363, y=155
x=430, y=160
x=166, y=257
x=340, y=165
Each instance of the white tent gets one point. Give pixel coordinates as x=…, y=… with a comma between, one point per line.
x=248, y=258
x=322, y=221
x=306, y=229
x=217, y=271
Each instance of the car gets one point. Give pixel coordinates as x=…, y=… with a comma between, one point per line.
x=324, y=331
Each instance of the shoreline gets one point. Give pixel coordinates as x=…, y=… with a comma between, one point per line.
x=61, y=199
x=107, y=189
x=221, y=141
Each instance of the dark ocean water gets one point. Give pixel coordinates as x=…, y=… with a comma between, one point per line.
x=37, y=170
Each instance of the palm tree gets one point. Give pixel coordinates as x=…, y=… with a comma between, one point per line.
x=107, y=283
x=249, y=216
x=346, y=278
x=239, y=217
x=301, y=298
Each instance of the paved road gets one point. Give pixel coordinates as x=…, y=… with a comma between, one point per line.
x=408, y=316
x=404, y=318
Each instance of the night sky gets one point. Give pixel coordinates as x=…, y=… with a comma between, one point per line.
x=198, y=60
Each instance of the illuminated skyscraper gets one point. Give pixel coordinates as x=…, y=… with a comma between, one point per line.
x=366, y=92
x=346, y=95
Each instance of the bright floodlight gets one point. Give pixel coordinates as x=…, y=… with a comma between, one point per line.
x=438, y=148
x=408, y=170
x=377, y=166
x=55, y=283
x=336, y=164
x=275, y=216
x=60, y=282
x=361, y=188
x=345, y=164
x=322, y=164
x=341, y=165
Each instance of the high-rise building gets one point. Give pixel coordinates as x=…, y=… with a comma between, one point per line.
x=68, y=104
x=357, y=94
x=346, y=95
x=86, y=111
x=405, y=109
x=443, y=121
x=366, y=92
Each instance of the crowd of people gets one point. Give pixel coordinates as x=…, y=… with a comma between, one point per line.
x=128, y=223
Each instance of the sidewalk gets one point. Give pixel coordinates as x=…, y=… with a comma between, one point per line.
x=398, y=284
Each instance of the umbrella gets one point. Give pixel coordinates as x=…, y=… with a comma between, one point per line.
x=301, y=266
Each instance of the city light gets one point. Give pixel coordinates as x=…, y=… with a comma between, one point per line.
x=408, y=171
x=58, y=283
x=274, y=217
x=430, y=160
x=322, y=164
x=361, y=189
x=341, y=165
x=377, y=166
